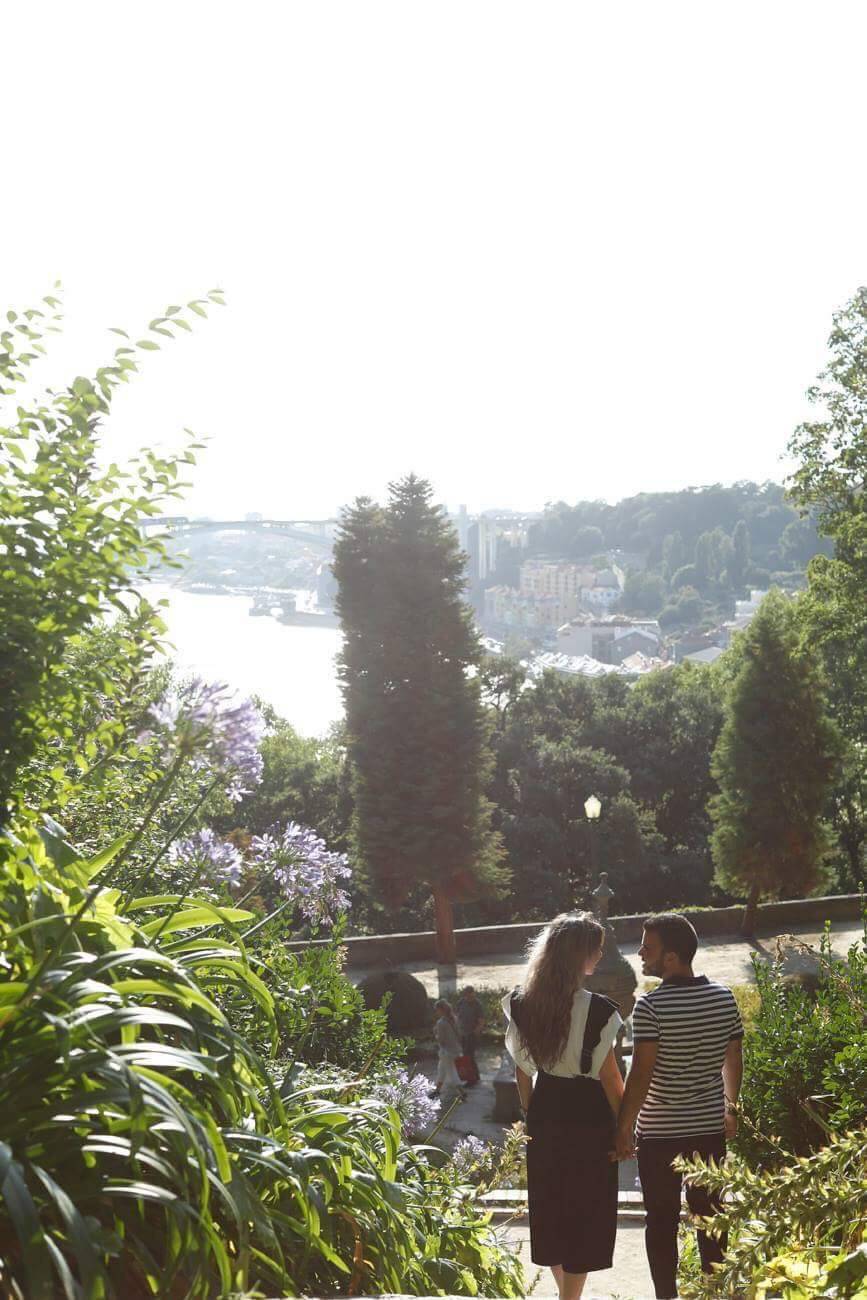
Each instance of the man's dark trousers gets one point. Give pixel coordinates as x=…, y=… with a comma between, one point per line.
x=468, y=1042
x=661, y=1185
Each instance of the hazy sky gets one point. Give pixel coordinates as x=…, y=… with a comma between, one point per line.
x=533, y=251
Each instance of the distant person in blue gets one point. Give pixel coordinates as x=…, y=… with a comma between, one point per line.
x=561, y=1038
x=682, y=1091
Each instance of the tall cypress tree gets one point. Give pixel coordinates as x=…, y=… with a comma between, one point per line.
x=417, y=731
x=774, y=760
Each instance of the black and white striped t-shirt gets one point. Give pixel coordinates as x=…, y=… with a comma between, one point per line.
x=693, y=1022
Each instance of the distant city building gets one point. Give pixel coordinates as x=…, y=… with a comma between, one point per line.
x=609, y=639
x=604, y=591
x=707, y=656
x=638, y=665
x=694, y=640
x=505, y=607
x=485, y=538
x=551, y=578
x=550, y=592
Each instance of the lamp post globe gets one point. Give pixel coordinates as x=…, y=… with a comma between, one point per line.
x=592, y=807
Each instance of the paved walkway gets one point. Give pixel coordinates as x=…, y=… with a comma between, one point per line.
x=727, y=959
x=629, y=1279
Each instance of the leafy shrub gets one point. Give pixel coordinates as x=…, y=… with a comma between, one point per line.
x=320, y=1015
x=798, y=1049
x=845, y=1083
x=147, y=1147
x=490, y=1000
x=797, y=1230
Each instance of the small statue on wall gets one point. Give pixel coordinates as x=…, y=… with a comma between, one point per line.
x=602, y=896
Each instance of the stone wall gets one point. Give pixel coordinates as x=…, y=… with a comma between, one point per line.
x=494, y=940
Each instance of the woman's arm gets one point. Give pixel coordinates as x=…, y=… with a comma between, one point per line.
x=612, y=1081
x=525, y=1088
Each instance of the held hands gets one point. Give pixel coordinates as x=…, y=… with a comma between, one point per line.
x=624, y=1143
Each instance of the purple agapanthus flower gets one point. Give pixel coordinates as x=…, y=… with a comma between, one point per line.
x=209, y=724
x=306, y=871
x=470, y=1153
x=409, y=1095
x=205, y=851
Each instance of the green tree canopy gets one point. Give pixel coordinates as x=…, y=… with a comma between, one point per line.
x=830, y=484
x=773, y=762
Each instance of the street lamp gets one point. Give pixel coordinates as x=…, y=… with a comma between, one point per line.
x=593, y=807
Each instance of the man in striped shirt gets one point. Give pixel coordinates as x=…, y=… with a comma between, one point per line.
x=682, y=1089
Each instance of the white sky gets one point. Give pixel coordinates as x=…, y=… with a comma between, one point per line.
x=533, y=251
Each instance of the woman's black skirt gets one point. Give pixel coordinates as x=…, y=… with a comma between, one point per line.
x=571, y=1179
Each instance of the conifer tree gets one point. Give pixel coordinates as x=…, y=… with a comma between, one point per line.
x=417, y=731
x=773, y=762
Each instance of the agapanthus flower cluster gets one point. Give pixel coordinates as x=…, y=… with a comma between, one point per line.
x=206, y=852
x=305, y=870
x=409, y=1094
x=470, y=1155
x=209, y=724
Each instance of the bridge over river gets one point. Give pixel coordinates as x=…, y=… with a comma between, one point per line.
x=315, y=532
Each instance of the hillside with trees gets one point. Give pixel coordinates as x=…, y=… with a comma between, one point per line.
x=687, y=555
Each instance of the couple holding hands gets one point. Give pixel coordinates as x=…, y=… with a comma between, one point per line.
x=679, y=1099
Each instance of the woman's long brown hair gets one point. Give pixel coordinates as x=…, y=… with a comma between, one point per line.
x=555, y=970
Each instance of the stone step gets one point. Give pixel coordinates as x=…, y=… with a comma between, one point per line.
x=509, y=1197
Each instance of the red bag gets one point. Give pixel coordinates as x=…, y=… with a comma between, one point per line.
x=467, y=1069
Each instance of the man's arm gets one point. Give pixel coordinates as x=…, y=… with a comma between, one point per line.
x=733, y=1073
x=525, y=1087
x=637, y=1084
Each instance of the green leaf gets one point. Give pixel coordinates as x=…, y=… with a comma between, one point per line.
x=153, y=900
x=148, y=345
x=103, y=859
x=195, y=916
x=183, y=993
x=25, y=1220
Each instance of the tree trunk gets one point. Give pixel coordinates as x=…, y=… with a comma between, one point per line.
x=445, y=940
x=751, y=912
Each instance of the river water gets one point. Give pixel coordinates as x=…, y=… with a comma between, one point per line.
x=291, y=667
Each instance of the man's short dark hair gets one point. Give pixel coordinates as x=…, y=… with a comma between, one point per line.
x=676, y=934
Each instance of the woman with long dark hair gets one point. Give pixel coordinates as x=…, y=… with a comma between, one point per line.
x=561, y=1038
